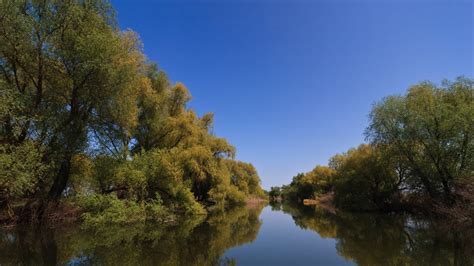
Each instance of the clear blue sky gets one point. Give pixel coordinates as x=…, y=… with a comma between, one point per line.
x=291, y=83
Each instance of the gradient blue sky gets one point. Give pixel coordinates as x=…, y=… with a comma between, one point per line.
x=291, y=83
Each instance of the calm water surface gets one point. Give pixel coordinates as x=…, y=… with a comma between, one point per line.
x=271, y=235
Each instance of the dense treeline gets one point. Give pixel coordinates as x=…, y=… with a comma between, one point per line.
x=87, y=120
x=420, y=153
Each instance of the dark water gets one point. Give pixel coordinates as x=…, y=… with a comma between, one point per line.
x=278, y=235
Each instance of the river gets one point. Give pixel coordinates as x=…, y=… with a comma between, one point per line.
x=255, y=235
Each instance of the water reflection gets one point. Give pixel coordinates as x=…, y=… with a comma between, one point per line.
x=388, y=239
x=193, y=242
x=342, y=238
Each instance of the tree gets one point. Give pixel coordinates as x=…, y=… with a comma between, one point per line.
x=431, y=128
x=69, y=71
x=320, y=179
x=20, y=172
x=275, y=193
x=310, y=185
x=364, y=179
x=84, y=114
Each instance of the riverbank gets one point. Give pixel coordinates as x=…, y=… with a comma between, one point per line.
x=66, y=212
x=325, y=202
x=459, y=216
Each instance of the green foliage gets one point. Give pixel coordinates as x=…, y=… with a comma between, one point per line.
x=309, y=185
x=67, y=72
x=421, y=148
x=156, y=211
x=363, y=179
x=108, y=209
x=83, y=111
x=275, y=193
x=245, y=177
x=20, y=171
x=235, y=196
x=100, y=210
x=431, y=129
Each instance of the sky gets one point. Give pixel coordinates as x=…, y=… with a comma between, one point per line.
x=291, y=83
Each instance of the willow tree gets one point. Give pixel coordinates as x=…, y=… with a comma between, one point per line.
x=82, y=111
x=365, y=179
x=167, y=127
x=310, y=185
x=66, y=72
x=431, y=128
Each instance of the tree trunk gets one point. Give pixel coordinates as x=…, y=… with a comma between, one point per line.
x=61, y=179
x=73, y=141
x=448, y=195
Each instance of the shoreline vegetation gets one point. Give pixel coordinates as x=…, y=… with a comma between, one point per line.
x=91, y=130
x=419, y=159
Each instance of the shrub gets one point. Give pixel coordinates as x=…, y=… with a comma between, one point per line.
x=108, y=209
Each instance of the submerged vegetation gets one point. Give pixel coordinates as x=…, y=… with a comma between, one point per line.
x=89, y=125
x=420, y=157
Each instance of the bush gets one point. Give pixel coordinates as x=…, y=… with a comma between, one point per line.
x=156, y=211
x=108, y=209
x=185, y=198
x=235, y=196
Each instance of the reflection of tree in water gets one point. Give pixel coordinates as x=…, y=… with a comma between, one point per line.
x=276, y=206
x=22, y=248
x=194, y=242
x=387, y=239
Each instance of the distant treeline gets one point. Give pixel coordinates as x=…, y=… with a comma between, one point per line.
x=88, y=125
x=420, y=153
